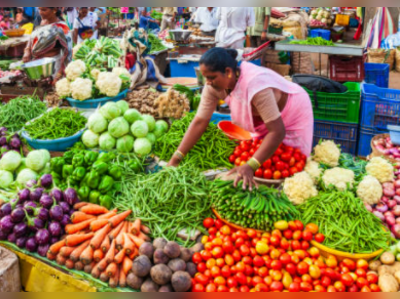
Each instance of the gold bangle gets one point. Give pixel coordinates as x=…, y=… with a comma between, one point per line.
x=179, y=154
x=253, y=165
x=255, y=160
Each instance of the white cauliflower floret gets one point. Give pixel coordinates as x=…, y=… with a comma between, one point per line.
x=370, y=190
x=75, y=69
x=95, y=73
x=121, y=71
x=381, y=169
x=82, y=89
x=109, y=84
x=340, y=178
x=76, y=49
x=313, y=170
x=299, y=188
x=328, y=153
x=63, y=88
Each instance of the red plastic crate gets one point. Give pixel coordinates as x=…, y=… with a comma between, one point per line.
x=346, y=69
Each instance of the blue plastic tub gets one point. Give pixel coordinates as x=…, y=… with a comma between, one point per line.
x=364, y=141
x=217, y=117
x=325, y=34
x=93, y=104
x=377, y=73
x=394, y=134
x=56, y=145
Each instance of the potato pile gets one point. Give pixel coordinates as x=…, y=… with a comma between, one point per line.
x=163, y=267
x=143, y=101
x=388, y=271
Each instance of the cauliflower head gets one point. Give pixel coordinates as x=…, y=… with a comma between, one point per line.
x=82, y=89
x=313, y=170
x=370, y=190
x=380, y=169
x=340, y=178
x=299, y=188
x=95, y=73
x=76, y=49
x=75, y=69
x=121, y=71
x=109, y=84
x=63, y=88
x=328, y=153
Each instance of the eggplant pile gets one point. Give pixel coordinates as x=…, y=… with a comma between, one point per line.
x=9, y=142
x=37, y=217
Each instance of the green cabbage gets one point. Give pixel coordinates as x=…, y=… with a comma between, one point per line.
x=118, y=127
x=90, y=139
x=25, y=176
x=150, y=121
x=22, y=166
x=139, y=129
x=107, y=142
x=46, y=155
x=10, y=161
x=6, y=179
x=36, y=160
x=132, y=115
x=162, y=124
x=142, y=146
x=110, y=111
x=125, y=144
x=152, y=138
x=97, y=123
x=123, y=106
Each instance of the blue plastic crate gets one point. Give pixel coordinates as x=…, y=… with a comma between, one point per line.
x=364, y=141
x=325, y=34
x=344, y=134
x=217, y=117
x=377, y=73
x=379, y=107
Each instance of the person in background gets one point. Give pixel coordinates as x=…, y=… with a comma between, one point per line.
x=147, y=22
x=5, y=24
x=85, y=25
x=207, y=16
x=232, y=27
x=72, y=14
x=258, y=32
x=168, y=19
x=102, y=14
x=19, y=16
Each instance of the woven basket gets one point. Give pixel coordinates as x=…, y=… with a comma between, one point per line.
x=375, y=152
x=14, y=32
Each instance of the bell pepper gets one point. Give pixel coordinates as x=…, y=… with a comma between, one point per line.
x=106, y=184
x=79, y=174
x=94, y=197
x=90, y=158
x=100, y=167
x=55, y=175
x=67, y=171
x=106, y=201
x=56, y=164
x=83, y=193
x=85, y=179
x=115, y=172
x=68, y=157
x=135, y=166
x=103, y=157
x=93, y=179
x=78, y=160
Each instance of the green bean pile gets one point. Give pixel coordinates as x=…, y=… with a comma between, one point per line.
x=16, y=113
x=211, y=151
x=55, y=124
x=313, y=41
x=156, y=44
x=258, y=209
x=347, y=225
x=168, y=201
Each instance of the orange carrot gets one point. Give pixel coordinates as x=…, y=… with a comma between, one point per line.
x=134, y=254
x=127, y=265
x=66, y=251
x=122, y=279
x=73, y=240
x=111, y=253
x=114, y=221
x=79, y=205
x=111, y=269
x=108, y=215
x=120, y=238
x=104, y=277
x=61, y=260
x=105, y=245
x=145, y=229
x=143, y=237
x=95, y=271
x=75, y=255
x=136, y=240
x=128, y=244
x=74, y=228
x=93, y=209
x=79, y=266
x=136, y=227
x=98, y=255
x=69, y=264
x=100, y=236
x=115, y=232
x=51, y=256
x=56, y=247
x=120, y=256
x=89, y=268
x=98, y=224
x=87, y=255
x=102, y=265
x=78, y=217
x=114, y=279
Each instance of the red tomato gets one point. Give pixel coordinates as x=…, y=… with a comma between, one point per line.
x=244, y=147
x=362, y=264
x=259, y=173
x=291, y=268
x=197, y=258
x=361, y=282
x=219, y=224
x=226, y=271
x=211, y=288
x=208, y=222
x=245, y=156
x=292, y=170
x=347, y=280
x=206, y=255
x=267, y=174
x=247, y=260
x=372, y=278
x=277, y=175
x=267, y=164
x=201, y=279
x=241, y=278
x=326, y=281
x=349, y=264
x=331, y=289
x=275, y=241
x=307, y=235
x=222, y=289
x=233, y=290
x=374, y=288
x=297, y=157
x=280, y=166
x=258, y=261
x=306, y=287
x=220, y=281
x=292, y=162
x=302, y=268
x=252, y=152
x=249, y=271
x=288, y=234
x=279, y=152
x=320, y=238
x=296, y=245
x=232, y=158
x=201, y=267
x=285, y=157
x=236, y=256
x=299, y=166
x=305, y=245
x=231, y=282
x=276, y=265
x=238, y=161
x=276, y=286
x=294, y=287
x=365, y=290
x=198, y=288
x=361, y=273
x=237, y=152
x=285, y=244
x=215, y=271
x=244, y=289
x=285, y=174
x=299, y=224
x=261, y=288
x=353, y=289
x=275, y=160
x=244, y=250
x=217, y=252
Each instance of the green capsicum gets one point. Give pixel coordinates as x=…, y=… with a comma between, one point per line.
x=106, y=184
x=93, y=179
x=83, y=193
x=85, y=179
x=115, y=172
x=100, y=167
x=78, y=160
x=90, y=158
x=67, y=171
x=68, y=157
x=106, y=201
x=135, y=166
x=79, y=173
x=94, y=197
x=56, y=164
x=103, y=157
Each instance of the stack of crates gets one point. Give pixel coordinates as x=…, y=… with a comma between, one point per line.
x=380, y=107
x=336, y=117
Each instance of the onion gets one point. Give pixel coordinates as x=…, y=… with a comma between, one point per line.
x=397, y=184
x=391, y=204
x=388, y=185
x=398, y=220
x=397, y=199
x=398, y=192
x=380, y=148
x=384, y=199
x=382, y=208
x=390, y=192
x=396, y=211
x=390, y=221
x=368, y=207
x=396, y=231
x=379, y=215
x=388, y=214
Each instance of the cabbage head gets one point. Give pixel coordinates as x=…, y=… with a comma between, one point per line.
x=107, y=142
x=90, y=139
x=162, y=124
x=125, y=144
x=151, y=137
x=6, y=179
x=97, y=123
x=25, y=176
x=110, y=111
x=118, y=127
x=150, y=121
x=36, y=160
x=46, y=154
x=10, y=161
x=139, y=129
x=132, y=115
x=123, y=106
x=142, y=146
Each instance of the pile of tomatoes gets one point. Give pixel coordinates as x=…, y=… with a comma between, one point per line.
x=285, y=162
x=281, y=261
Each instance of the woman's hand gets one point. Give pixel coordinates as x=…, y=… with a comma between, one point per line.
x=174, y=162
x=26, y=58
x=246, y=174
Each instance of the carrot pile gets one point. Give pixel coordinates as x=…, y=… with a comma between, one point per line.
x=100, y=242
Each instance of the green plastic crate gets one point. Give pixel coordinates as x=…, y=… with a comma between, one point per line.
x=341, y=107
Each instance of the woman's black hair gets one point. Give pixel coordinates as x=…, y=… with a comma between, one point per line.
x=218, y=59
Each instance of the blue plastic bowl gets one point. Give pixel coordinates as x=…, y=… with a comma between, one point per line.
x=394, y=134
x=93, y=104
x=56, y=145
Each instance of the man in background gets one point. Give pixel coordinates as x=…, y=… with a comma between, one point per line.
x=168, y=19
x=258, y=32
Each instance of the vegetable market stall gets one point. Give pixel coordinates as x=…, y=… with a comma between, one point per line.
x=13, y=47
